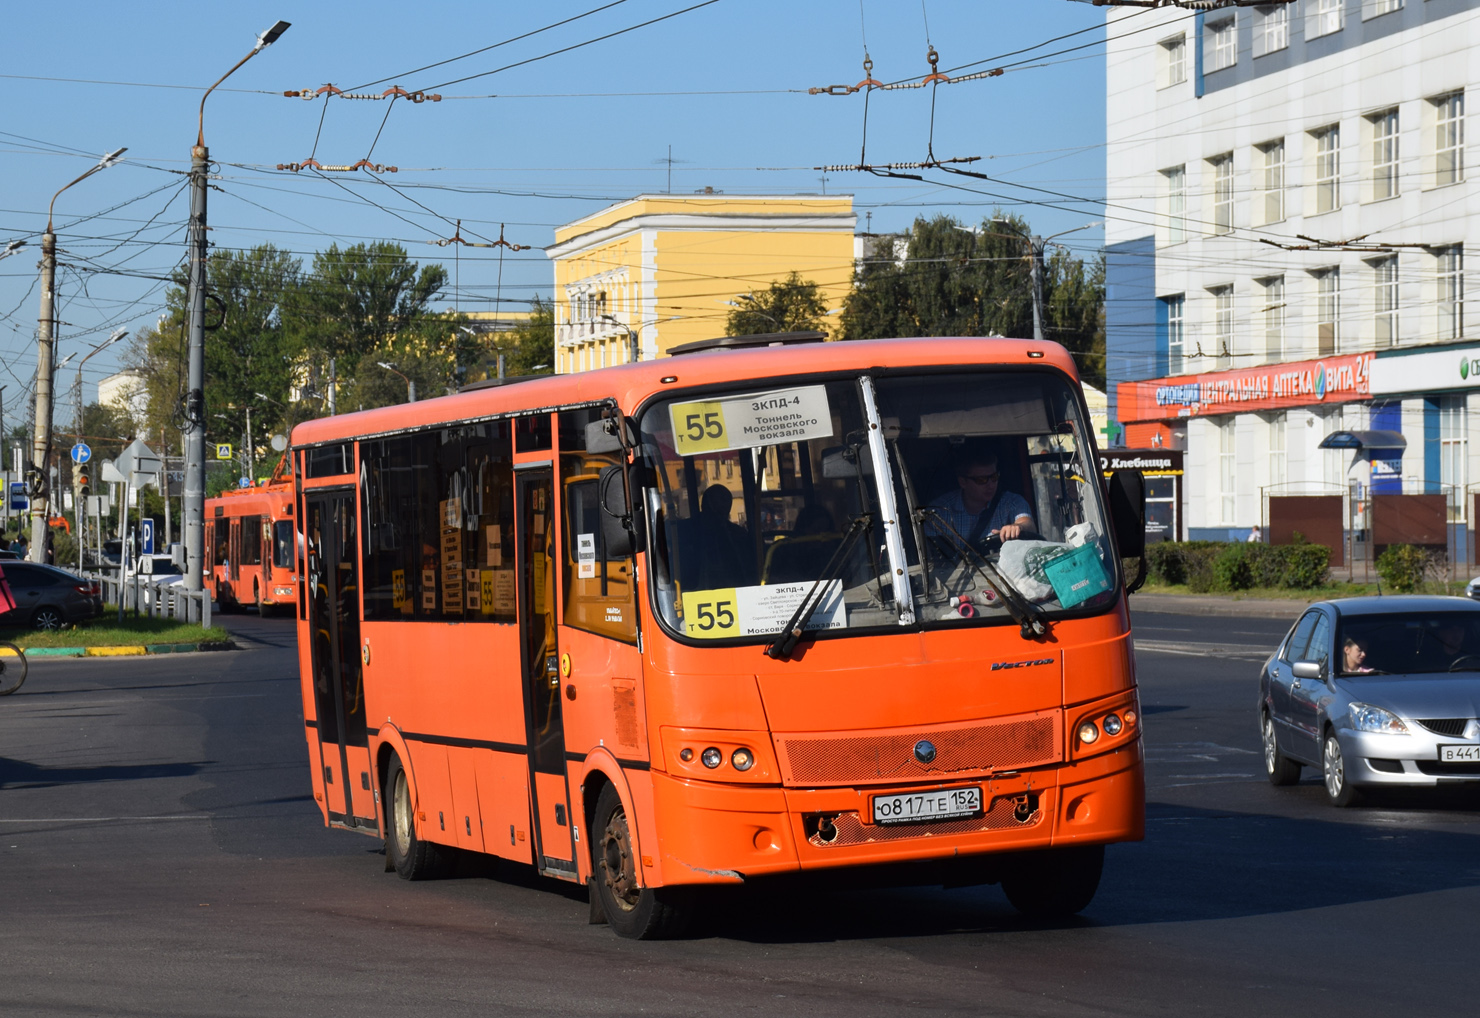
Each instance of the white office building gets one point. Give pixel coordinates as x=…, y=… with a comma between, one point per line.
x=1290, y=194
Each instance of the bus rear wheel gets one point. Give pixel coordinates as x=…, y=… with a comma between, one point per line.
x=411, y=857
x=635, y=912
x=1054, y=883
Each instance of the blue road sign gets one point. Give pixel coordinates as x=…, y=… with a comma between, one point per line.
x=243, y=482
x=19, y=500
x=81, y=453
x=146, y=532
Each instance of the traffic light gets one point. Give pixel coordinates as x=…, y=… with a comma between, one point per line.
x=82, y=484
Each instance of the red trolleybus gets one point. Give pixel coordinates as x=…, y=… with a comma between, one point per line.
x=749, y=610
x=249, y=544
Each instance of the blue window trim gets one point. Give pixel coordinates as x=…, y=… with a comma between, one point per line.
x=1197, y=55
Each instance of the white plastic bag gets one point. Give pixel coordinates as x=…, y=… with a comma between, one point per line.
x=1021, y=564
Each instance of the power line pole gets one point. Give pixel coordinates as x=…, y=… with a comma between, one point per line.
x=1036, y=243
x=193, y=501
x=45, y=367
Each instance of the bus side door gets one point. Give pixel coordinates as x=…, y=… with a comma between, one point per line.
x=333, y=582
x=543, y=713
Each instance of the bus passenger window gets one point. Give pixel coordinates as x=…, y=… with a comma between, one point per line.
x=438, y=533
x=282, y=544
x=532, y=433
x=251, y=541
x=599, y=595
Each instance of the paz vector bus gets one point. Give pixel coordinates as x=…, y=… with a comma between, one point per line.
x=766, y=606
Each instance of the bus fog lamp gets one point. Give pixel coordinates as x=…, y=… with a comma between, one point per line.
x=711, y=758
x=743, y=759
x=686, y=754
x=1111, y=724
x=1088, y=732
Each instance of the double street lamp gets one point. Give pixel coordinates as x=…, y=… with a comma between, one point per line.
x=410, y=385
x=194, y=500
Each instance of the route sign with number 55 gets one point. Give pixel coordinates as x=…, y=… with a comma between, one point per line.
x=747, y=422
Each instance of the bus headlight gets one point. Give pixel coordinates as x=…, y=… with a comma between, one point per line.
x=1088, y=732
x=1111, y=724
x=743, y=759
x=711, y=758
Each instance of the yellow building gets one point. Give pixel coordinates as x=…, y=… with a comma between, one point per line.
x=670, y=268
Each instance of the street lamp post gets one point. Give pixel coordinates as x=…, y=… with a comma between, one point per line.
x=1036, y=246
x=46, y=365
x=633, y=353
x=194, y=500
x=81, y=516
x=410, y=385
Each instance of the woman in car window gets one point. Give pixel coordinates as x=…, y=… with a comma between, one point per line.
x=1354, y=656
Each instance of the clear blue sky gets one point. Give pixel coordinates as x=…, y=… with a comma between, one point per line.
x=563, y=136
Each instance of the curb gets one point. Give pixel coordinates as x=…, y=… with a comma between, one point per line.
x=1213, y=604
x=136, y=650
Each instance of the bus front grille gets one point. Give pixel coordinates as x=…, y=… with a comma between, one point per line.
x=1002, y=744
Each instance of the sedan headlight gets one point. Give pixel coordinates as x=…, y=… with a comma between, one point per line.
x=1367, y=718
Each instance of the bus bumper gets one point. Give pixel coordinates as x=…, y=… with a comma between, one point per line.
x=717, y=833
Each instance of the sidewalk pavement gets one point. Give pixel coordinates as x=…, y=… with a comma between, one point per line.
x=1220, y=604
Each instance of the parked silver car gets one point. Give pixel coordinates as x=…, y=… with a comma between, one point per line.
x=1375, y=691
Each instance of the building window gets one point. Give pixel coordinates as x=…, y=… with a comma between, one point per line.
x=1450, y=263
x=1373, y=8
x=1334, y=462
x=1327, y=17
x=1449, y=139
x=1272, y=180
x=1328, y=168
x=1176, y=332
x=1222, y=193
x=1274, y=318
x=1174, y=61
x=1328, y=312
x=1221, y=48
x=1384, y=155
x=1277, y=471
x=1226, y=470
x=1454, y=451
x=1176, y=179
x=1271, y=29
x=1385, y=300
x=1223, y=325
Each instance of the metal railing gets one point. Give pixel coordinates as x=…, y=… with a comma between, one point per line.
x=145, y=595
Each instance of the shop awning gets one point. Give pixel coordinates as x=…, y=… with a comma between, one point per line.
x=1361, y=440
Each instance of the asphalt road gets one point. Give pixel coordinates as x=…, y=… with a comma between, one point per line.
x=159, y=855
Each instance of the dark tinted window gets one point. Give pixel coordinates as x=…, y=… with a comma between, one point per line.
x=1300, y=639
x=251, y=540
x=282, y=544
x=532, y=433
x=30, y=575
x=439, y=525
x=1411, y=643
x=329, y=460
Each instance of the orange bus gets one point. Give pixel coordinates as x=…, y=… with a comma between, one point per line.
x=758, y=608
x=249, y=541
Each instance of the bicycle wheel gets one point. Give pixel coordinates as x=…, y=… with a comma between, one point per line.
x=12, y=668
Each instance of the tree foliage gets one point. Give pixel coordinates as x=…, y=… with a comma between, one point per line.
x=943, y=279
x=369, y=297
x=789, y=305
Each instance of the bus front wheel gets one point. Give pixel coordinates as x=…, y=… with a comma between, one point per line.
x=1054, y=883
x=635, y=912
x=411, y=857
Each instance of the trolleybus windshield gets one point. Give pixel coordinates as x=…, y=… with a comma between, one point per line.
x=979, y=488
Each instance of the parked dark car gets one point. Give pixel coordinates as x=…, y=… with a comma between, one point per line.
x=47, y=597
x=6, y=555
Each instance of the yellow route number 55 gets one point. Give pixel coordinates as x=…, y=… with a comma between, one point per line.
x=711, y=614
x=700, y=427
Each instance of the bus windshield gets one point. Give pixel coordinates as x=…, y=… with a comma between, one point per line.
x=978, y=487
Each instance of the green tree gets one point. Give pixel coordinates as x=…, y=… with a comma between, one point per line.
x=789, y=305
x=528, y=349
x=943, y=279
x=368, y=298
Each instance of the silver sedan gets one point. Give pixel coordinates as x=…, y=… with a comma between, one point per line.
x=1375, y=691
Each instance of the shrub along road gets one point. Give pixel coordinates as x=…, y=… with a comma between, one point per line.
x=160, y=854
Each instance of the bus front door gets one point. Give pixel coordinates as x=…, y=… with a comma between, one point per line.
x=338, y=682
x=545, y=725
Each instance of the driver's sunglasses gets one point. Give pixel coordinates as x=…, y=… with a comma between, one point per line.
x=982, y=479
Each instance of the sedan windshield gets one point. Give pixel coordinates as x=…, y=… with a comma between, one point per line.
x=1409, y=643
x=769, y=498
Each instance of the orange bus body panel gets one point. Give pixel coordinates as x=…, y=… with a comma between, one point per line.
x=234, y=581
x=447, y=697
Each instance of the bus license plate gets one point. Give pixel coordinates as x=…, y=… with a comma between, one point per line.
x=1459, y=754
x=915, y=807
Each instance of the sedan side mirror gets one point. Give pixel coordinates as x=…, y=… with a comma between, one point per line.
x=1308, y=669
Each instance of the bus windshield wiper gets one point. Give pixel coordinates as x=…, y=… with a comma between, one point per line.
x=1028, y=616
x=786, y=642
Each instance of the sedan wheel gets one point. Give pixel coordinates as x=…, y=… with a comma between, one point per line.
x=1339, y=791
x=1280, y=769
x=47, y=618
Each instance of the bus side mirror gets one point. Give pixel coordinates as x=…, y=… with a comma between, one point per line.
x=621, y=528
x=1127, y=495
x=603, y=436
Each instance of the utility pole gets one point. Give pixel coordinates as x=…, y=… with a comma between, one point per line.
x=45, y=366
x=1036, y=242
x=194, y=500
x=333, y=389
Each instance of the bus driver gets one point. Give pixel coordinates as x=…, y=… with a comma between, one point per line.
x=980, y=507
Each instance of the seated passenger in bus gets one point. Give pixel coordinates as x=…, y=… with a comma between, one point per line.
x=980, y=506
x=805, y=552
x=718, y=552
